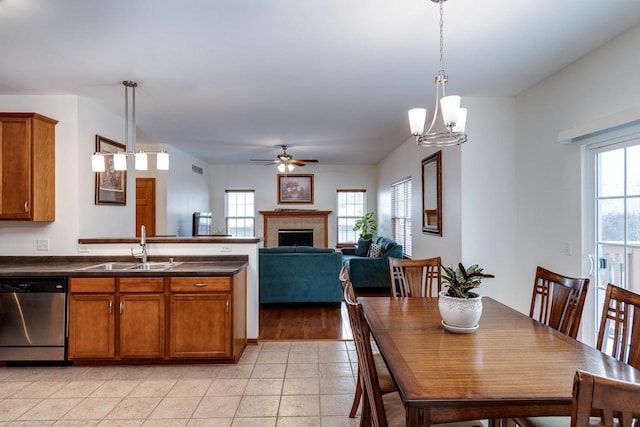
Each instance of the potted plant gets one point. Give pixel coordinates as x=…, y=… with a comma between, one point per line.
x=461, y=308
x=367, y=226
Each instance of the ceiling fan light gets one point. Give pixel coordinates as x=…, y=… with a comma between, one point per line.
x=97, y=162
x=120, y=161
x=290, y=167
x=162, y=161
x=281, y=167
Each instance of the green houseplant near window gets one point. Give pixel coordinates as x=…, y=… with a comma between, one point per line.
x=460, y=308
x=367, y=226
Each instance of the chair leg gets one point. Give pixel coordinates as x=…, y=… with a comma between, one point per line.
x=357, y=397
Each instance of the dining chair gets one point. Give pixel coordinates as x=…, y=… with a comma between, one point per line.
x=558, y=301
x=384, y=377
x=619, y=337
x=379, y=409
x=616, y=402
x=415, y=277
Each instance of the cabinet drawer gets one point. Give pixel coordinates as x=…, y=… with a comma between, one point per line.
x=92, y=285
x=141, y=284
x=200, y=284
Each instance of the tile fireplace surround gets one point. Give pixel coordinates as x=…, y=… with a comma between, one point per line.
x=292, y=219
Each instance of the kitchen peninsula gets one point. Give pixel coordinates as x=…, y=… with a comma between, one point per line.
x=179, y=308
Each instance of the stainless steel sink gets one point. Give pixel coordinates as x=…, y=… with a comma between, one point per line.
x=132, y=266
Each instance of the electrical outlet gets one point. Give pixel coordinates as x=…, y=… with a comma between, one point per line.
x=567, y=249
x=225, y=248
x=83, y=249
x=42, y=244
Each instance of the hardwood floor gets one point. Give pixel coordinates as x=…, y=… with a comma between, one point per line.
x=308, y=321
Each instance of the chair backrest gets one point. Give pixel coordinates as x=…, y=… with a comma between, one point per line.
x=619, y=334
x=373, y=407
x=415, y=277
x=344, y=275
x=611, y=399
x=558, y=301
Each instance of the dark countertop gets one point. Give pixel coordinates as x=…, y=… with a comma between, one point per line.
x=215, y=265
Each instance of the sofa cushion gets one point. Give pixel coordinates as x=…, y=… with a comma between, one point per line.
x=386, y=243
x=375, y=250
x=277, y=250
x=311, y=249
x=363, y=247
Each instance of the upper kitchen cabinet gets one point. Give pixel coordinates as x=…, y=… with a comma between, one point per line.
x=27, y=167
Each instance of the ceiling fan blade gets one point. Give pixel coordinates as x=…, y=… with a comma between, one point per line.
x=307, y=160
x=296, y=163
x=263, y=160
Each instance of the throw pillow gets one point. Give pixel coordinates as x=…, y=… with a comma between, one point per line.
x=375, y=250
x=363, y=247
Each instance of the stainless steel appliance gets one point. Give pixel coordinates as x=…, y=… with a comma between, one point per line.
x=33, y=318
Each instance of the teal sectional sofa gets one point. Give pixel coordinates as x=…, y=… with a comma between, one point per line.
x=365, y=272
x=300, y=274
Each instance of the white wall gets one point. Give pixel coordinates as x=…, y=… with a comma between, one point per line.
x=263, y=179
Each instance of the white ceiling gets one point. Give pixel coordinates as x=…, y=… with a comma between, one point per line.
x=227, y=80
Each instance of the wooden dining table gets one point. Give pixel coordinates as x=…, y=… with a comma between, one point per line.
x=510, y=366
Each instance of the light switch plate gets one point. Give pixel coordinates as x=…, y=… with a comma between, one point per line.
x=42, y=244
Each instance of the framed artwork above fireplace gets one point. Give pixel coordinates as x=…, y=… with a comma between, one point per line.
x=296, y=188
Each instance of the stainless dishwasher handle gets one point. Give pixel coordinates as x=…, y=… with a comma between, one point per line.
x=200, y=285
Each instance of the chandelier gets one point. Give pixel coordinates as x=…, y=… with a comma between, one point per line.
x=120, y=158
x=448, y=121
x=285, y=163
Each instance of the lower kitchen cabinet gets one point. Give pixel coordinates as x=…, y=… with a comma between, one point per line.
x=135, y=308
x=91, y=318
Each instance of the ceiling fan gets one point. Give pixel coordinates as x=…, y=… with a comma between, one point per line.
x=285, y=161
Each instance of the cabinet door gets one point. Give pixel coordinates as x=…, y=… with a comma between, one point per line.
x=141, y=325
x=200, y=325
x=15, y=168
x=91, y=326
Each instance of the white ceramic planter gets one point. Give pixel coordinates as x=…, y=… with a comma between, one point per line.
x=460, y=312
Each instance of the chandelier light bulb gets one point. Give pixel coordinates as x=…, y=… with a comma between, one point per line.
x=450, y=106
x=461, y=121
x=417, y=117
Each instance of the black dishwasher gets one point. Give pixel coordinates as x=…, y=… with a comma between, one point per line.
x=33, y=318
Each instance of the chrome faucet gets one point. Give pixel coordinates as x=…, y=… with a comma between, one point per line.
x=143, y=243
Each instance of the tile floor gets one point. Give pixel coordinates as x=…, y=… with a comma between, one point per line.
x=278, y=384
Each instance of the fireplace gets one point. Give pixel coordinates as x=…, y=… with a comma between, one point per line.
x=296, y=219
x=287, y=237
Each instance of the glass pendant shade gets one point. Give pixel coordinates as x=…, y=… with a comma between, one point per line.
x=450, y=106
x=290, y=167
x=120, y=161
x=162, y=161
x=141, y=161
x=417, y=117
x=281, y=167
x=461, y=121
x=97, y=163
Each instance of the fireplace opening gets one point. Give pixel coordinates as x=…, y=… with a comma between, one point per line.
x=295, y=237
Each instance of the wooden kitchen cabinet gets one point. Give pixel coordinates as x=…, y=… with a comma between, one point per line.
x=91, y=318
x=207, y=317
x=142, y=318
x=134, y=307
x=27, y=167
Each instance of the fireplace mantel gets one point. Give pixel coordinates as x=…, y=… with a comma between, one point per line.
x=293, y=219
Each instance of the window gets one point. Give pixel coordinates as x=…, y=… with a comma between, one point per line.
x=401, y=214
x=239, y=212
x=352, y=205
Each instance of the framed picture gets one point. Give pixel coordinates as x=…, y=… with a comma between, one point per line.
x=295, y=188
x=432, y=194
x=111, y=185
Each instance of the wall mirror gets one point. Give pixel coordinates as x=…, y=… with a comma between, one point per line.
x=432, y=194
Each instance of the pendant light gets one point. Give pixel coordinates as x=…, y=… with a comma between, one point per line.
x=120, y=158
x=448, y=122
